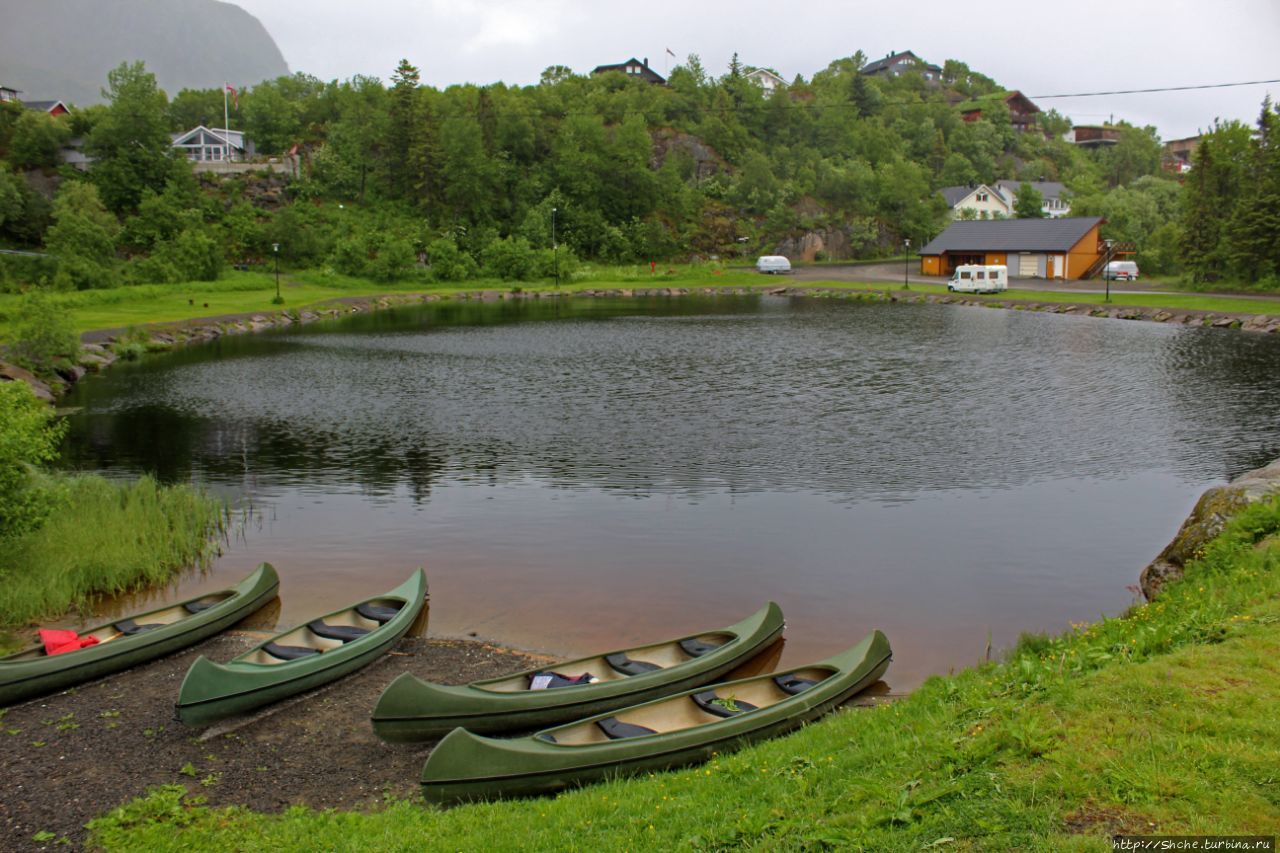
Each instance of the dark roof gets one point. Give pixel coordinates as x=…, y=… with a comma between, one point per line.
x=955, y=195
x=42, y=106
x=646, y=73
x=1047, y=189
x=893, y=58
x=1012, y=235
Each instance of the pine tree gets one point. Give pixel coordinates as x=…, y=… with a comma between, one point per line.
x=1201, y=216
x=400, y=129
x=1253, y=234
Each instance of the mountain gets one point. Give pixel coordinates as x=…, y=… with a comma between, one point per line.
x=63, y=49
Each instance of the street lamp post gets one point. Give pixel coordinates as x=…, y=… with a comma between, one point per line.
x=555, y=248
x=275, y=250
x=906, y=263
x=1106, y=270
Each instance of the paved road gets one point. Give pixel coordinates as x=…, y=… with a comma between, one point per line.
x=893, y=273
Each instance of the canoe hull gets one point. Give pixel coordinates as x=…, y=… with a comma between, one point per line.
x=467, y=767
x=414, y=710
x=20, y=680
x=212, y=691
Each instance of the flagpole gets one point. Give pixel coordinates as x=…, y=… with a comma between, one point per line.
x=226, y=125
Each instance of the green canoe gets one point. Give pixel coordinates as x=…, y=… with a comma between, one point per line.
x=130, y=641
x=302, y=657
x=411, y=709
x=671, y=732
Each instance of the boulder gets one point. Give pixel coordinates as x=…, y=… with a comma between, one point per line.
x=13, y=373
x=1206, y=521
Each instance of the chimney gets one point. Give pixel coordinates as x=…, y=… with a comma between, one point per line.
x=646, y=62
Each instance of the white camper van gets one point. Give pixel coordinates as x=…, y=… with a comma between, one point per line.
x=773, y=264
x=1121, y=271
x=972, y=278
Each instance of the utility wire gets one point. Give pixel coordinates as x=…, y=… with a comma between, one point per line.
x=1160, y=89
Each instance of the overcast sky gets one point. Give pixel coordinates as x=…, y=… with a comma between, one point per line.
x=1039, y=48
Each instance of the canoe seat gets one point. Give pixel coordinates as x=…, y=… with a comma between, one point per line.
x=289, y=652
x=549, y=738
x=197, y=606
x=379, y=614
x=706, y=700
x=696, y=648
x=625, y=665
x=555, y=679
x=615, y=729
x=128, y=627
x=345, y=633
x=793, y=684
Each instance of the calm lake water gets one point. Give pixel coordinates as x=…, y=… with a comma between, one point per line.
x=579, y=474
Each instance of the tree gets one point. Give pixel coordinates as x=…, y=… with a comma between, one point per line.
x=1253, y=230
x=1212, y=190
x=271, y=120
x=130, y=142
x=82, y=238
x=1030, y=203
x=37, y=141
x=29, y=437
x=402, y=121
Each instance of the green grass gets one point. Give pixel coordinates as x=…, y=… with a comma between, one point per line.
x=1169, y=302
x=1160, y=721
x=251, y=292
x=104, y=538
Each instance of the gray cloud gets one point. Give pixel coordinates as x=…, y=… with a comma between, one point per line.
x=1040, y=48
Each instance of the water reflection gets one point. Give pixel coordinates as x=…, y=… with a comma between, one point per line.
x=656, y=464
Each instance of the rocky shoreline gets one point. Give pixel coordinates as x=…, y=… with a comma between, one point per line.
x=101, y=348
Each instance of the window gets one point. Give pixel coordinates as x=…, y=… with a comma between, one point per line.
x=982, y=197
x=980, y=274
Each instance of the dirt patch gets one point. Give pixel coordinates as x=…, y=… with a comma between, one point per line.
x=1107, y=821
x=76, y=755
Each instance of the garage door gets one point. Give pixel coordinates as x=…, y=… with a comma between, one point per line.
x=1028, y=265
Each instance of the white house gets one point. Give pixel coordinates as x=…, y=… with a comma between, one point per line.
x=766, y=79
x=203, y=144
x=998, y=200
x=1054, y=194
x=986, y=202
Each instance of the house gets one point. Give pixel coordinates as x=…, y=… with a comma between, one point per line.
x=1022, y=111
x=203, y=144
x=53, y=108
x=7, y=94
x=1067, y=248
x=1178, y=153
x=766, y=79
x=998, y=200
x=633, y=68
x=1093, y=135
x=986, y=202
x=1054, y=194
x=897, y=64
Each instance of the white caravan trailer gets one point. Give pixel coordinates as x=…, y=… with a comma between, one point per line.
x=973, y=278
x=773, y=264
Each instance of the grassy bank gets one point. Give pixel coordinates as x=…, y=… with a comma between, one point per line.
x=250, y=292
x=1160, y=721
x=103, y=538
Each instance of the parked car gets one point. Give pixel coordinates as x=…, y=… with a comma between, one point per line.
x=773, y=264
x=975, y=278
x=1121, y=271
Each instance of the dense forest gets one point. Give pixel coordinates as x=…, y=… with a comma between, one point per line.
x=407, y=180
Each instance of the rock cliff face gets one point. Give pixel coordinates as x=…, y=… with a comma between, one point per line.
x=1206, y=521
x=63, y=49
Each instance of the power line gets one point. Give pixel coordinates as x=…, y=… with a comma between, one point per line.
x=1160, y=89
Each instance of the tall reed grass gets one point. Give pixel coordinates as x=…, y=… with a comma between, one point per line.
x=106, y=538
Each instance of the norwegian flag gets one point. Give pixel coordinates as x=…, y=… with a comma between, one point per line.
x=235, y=96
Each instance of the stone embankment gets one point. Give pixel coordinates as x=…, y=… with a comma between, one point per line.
x=1206, y=521
x=102, y=348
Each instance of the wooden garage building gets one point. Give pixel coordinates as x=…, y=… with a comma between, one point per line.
x=1068, y=247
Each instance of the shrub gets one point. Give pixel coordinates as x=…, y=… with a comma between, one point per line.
x=394, y=260
x=194, y=254
x=510, y=259
x=448, y=262
x=42, y=335
x=29, y=436
x=350, y=256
